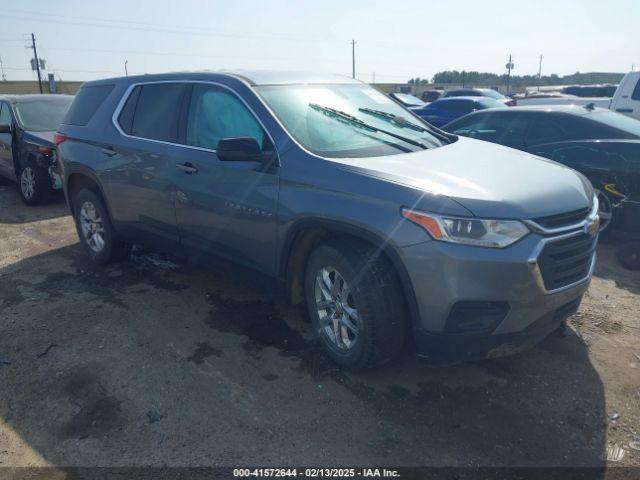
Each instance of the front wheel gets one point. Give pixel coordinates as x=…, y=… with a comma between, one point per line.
x=355, y=304
x=96, y=233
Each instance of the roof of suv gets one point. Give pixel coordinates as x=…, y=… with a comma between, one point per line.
x=253, y=77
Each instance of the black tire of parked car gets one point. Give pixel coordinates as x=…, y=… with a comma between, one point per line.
x=34, y=183
x=629, y=255
x=378, y=298
x=114, y=249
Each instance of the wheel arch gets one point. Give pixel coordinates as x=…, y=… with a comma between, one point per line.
x=83, y=177
x=305, y=235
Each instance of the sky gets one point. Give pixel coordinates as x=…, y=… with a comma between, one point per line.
x=395, y=40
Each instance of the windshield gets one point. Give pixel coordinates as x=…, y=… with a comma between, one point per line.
x=493, y=94
x=408, y=99
x=327, y=120
x=487, y=102
x=617, y=120
x=42, y=115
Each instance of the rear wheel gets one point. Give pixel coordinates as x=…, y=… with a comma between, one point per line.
x=96, y=233
x=355, y=304
x=34, y=183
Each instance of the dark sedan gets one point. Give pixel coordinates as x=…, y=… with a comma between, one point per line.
x=445, y=110
x=602, y=145
x=27, y=125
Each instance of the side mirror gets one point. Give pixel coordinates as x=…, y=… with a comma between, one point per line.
x=240, y=149
x=5, y=128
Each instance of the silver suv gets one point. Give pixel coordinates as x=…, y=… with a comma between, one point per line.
x=386, y=227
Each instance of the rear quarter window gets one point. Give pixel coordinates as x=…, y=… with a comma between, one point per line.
x=86, y=103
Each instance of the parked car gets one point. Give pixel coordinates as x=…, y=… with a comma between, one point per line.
x=480, y=92
x=384, y=226
x=626, y=99
x=407, y=99
x=602, y=145
x=559, y=98
x=429, y=96
x=27, y=125
x=590, y=90
x=446, y=110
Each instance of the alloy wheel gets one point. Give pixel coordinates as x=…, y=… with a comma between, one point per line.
x=28, y=183
x=337, y=312
x=92, y=227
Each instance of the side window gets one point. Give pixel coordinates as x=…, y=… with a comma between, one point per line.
x=459, y=106
x=87, y=101
x=153, y=111
x=505, y=129
x=544, y=131
x=636, y=91
x=215, y=113
x=5, y=114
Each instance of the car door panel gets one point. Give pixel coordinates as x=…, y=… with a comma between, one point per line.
x=227, y=207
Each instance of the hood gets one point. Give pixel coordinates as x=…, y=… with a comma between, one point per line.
x=41, y=138
x=489, y=180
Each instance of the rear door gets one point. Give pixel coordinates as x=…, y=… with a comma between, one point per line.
x=142, y=163
x=6, y=157
x=226, y=207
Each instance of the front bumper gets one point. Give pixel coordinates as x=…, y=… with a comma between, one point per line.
x=444, y=275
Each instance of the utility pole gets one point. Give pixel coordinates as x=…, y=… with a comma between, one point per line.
x=539, y=73
x=374, y=78
x=353, y=58
x=509, y=66
x=35, y=55
x=126, y=72
x=4, y=77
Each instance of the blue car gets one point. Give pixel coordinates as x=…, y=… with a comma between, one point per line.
x=446, y=110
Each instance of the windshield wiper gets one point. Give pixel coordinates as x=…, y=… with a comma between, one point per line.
x=395, y=119
x=356, y=122
x=403, y=122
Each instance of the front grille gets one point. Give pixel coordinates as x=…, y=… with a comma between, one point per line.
x=563, y=219
x=566, y=261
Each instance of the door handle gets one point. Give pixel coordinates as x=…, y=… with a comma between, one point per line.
x=109, y=152
x=187, y=167
x=624, y=110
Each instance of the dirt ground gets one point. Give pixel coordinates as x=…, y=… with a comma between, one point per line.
x=148, y=362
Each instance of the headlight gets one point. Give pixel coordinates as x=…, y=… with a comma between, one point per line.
x=469, y=231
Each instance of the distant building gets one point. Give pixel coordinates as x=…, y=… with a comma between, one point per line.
x=31, y=86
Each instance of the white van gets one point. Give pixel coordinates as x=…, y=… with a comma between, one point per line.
x=626, y=100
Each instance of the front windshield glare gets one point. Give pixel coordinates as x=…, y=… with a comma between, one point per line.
x=303, y=109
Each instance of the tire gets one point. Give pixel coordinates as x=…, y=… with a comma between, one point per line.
x=629, y=256
x=95, y=230
x=374, y=305
x=34, y=183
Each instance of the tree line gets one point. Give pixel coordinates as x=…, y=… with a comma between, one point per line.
x=488, y=78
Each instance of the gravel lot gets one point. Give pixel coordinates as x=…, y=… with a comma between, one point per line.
x=151, y=363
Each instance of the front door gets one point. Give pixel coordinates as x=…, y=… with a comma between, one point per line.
x=226, y=207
